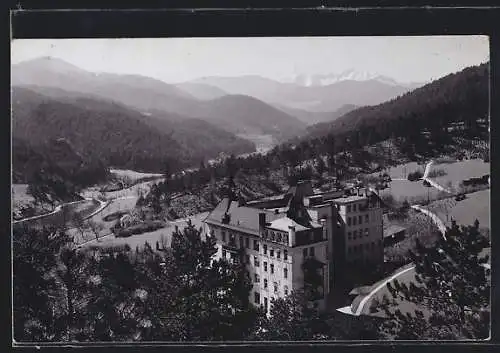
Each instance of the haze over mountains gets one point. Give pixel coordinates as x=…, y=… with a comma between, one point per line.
x=239, y=114
x=462, y=96
x=142, y=120
x=314, y=93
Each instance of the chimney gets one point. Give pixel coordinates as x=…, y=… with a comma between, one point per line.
x=291, y=235
x=325, y=231
x=262, y=219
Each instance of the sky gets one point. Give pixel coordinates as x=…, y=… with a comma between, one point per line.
x=405, y=59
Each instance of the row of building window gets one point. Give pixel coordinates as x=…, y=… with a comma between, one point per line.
x=245, y=242
x=257, y=297
x=359, y=220
x=354, y=234
x=256, y=263
x=272, y=252
x=359, y=248
x=276, y=236
x=275, y=284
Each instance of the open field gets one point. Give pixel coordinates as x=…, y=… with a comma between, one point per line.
x=458, y=171
x=465, y=212
x=401, y=171
x=132, y=174
x=152, y=237
x=84, y=208
x=409, y=190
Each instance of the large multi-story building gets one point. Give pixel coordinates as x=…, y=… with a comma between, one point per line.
x=283, y=249
x=298, y=239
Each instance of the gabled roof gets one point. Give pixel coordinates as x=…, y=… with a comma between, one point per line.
x=242, y=217
x=284, y=223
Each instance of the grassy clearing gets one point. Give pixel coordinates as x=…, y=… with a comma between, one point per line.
x=465, y=212
x=162, y=236
x=413, y=191
x=458, y=171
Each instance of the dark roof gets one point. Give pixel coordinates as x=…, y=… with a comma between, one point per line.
x=393, y=229
x=240, y=217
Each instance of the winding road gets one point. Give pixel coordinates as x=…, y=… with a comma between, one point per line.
x=437, y=221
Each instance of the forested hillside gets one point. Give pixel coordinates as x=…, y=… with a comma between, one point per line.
x=463, y=96
x=116, y=135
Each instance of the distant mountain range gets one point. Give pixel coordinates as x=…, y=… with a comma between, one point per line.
x=116, y=134
x=349, y=75
x=462, y=96
x=236, y=114
x=319, y=94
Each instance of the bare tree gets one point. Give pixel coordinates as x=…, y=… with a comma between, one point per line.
x=79, y=223
x=95, y=227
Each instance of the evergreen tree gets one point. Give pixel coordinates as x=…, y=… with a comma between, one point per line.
x=452, y=290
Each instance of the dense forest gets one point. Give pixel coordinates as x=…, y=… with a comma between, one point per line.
x=458, y=97
x=54, y=168
x=116, y=135
x=178, y=293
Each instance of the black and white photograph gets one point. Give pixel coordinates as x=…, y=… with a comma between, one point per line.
x=251, y=189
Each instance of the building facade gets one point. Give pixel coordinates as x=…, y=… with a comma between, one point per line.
x=298, y=240
x=282, y=251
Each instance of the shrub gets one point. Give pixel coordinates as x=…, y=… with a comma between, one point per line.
x=148, y=226
x=436, y=173
x=415, y=175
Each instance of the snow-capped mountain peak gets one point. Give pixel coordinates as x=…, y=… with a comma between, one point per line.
x=347, y=75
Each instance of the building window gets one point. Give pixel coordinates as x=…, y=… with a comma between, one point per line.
x=256, y=278
x=256, y=245
x=354, y=221
x=278, y=254
x=264, y=247
x=285, y=239
x=348, y=221
x=247, y=242
x=247, y=257
x=278, y=237
x=271, y=252
x=241, y=241
x=367, y=233
x=285, y=272
x=273, y=236
x=265, y=283
x=354, y=208
x=360, y=219
x=348, y=208
x=355, y=234
x=223, y=236
x=265, y=303
x=286, y=290
x=224, y=254
x=256, y=261
x=257, y=297
x=304, y=252
x=349, y=235
x=285, y=255
x=367, y=218
x=265, y=266
x=311, y=251
x=275, y=287
x=272, y=268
